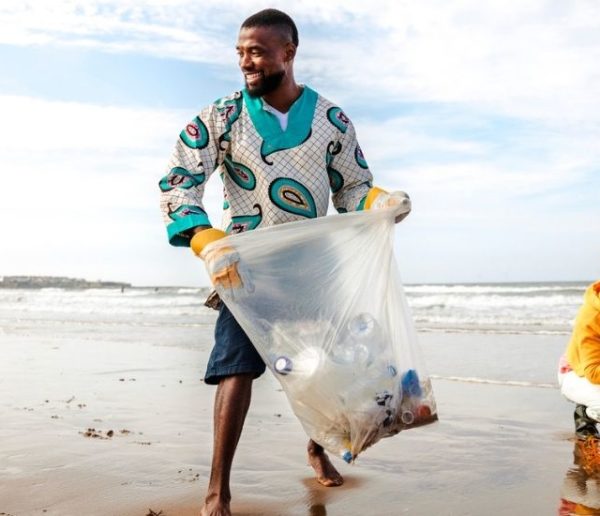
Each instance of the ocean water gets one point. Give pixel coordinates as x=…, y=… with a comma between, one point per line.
x=489, y=334
x=508, y=308
x=102, y=358
x=528, y=308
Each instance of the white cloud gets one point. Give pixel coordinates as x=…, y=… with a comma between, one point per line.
x=529, y=59
x=35, y=124
x=111, y=26
x=403, y=136
x=81, y=196
x=80, y=179
x=80, y=191
x=486, y=180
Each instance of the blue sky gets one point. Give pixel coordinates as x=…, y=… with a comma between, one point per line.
x=486, y=113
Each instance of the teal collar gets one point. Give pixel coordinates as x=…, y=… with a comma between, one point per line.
x=300, y=117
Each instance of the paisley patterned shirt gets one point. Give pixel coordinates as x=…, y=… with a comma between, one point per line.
x=270, y=176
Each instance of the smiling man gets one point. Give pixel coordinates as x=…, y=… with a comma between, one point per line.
x=281, y=149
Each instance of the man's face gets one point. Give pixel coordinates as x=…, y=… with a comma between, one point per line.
x=264, y=58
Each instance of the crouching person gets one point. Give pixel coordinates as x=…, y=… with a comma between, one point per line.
x=579, y=368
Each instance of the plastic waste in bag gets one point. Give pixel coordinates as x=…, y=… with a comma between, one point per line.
x=322, y=302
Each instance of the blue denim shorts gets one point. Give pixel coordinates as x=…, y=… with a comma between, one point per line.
x=233, y=353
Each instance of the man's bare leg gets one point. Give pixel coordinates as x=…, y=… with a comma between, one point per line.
x=231, y=406
x=324, y=469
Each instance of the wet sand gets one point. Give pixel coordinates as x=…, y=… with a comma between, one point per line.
x=497, y=449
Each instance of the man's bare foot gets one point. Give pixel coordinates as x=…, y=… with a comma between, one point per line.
x=324, y=469
x=213, y=506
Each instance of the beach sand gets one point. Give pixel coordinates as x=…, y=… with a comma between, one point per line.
x=497, y=448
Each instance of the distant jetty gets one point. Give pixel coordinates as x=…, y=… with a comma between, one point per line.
x=56, y=282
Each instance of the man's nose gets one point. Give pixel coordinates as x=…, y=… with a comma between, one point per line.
x=245, y=61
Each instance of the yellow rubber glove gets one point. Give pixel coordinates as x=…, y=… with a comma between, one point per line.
x=221, y=262
x=377, y=198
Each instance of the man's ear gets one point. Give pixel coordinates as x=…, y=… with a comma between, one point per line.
x=290, y=51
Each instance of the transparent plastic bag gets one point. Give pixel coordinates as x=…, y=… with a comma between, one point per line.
x=323, y=304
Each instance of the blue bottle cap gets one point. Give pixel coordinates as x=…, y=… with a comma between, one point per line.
x=410, y=383
x=347, y=456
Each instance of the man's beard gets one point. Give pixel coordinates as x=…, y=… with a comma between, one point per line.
x=268, y=84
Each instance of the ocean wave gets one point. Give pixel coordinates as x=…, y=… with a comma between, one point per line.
x=528, y=308
x=101, y=301
x=561, y=317
x=491, y=330
x=195, y=291
x=490, y=381
x=504, y=289
x=481, y=302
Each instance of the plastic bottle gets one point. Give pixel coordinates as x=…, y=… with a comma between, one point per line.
x=283, y=365
x=411, y=394
x=307, y=362
x=359, y=343
x=407, y=417
x=340, y=443
x=361, y=326
x=410, y=383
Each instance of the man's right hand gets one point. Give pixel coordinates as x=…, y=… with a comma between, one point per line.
x=222, y=263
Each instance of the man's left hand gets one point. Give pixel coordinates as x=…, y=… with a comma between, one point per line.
x=398, y=200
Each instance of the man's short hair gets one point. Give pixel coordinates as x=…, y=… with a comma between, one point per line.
x=273, y=18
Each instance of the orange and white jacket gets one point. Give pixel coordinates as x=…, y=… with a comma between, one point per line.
x=583, y=351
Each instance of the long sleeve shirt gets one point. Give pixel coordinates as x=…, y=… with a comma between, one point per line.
x=270, y=175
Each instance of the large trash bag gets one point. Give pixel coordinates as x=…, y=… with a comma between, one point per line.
x=323, y=304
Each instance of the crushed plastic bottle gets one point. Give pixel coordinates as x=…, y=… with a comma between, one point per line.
x=362, y=326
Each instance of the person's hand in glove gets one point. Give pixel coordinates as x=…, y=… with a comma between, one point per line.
x=222, y=262
x=378, y=198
